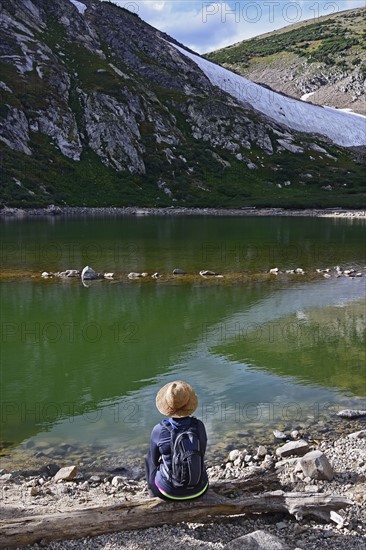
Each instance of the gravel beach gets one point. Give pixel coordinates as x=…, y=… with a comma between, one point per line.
x=69, y=211
x=25, y=495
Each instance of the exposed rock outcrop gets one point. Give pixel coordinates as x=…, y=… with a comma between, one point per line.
x=94, y=99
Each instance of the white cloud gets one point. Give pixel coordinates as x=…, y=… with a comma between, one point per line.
x=208, y=25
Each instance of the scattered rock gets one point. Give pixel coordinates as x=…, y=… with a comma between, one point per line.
x=117, y=481
x=258, y=540
x=66, y=474
x=207, y=273
x=298, y=448
x=73, y=273
x=261, y=451
x=178, y=271
x=351, y=413
x=361, y=434
x=88, y=273
x=95, y=479
x=6, y=477
x=282, y=464
x=108, y=275
x=337, y=518
x=279, y=435
x=233, y=455
x=134, y=275
x=316, y=466
x=53, y=209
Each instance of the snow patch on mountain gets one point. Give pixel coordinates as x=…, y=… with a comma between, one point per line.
x=79, y=6
x=305, y=97
x=345, y=129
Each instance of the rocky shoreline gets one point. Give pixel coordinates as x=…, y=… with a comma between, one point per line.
x=331, y=466
x=78, y=211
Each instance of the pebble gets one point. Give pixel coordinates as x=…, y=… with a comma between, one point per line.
x=279, y=435
x=261, y=451
x=233, y=455
x=94, y=479
x=117, y=481
x=66, y=474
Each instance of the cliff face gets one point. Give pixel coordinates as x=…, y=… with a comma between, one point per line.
x=99, y=108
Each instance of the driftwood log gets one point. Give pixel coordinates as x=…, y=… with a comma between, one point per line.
x=257, y=479
x=154, y=512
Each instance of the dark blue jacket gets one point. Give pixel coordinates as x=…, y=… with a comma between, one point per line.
x=160, y=449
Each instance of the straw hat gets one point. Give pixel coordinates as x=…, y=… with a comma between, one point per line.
x=176, y=399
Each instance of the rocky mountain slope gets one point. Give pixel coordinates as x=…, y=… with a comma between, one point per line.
x=100, y=109
x=322, y=60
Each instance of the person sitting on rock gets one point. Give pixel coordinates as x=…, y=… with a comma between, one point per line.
x=175, y=468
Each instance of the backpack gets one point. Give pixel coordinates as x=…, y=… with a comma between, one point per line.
x=186, y=454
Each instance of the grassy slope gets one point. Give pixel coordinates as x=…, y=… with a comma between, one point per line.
x=336, y=40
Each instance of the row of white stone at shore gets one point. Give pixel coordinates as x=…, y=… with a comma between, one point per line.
x=326, y=272
x=89, y=274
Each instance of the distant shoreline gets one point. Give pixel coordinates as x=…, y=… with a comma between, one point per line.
x=80, y=211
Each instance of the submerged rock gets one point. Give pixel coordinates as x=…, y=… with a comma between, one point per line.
x=279, y=435
x=351, y=413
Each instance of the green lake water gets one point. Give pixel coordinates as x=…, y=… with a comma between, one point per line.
x=80, y=366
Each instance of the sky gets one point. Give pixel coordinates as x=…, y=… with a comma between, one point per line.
x=204, y=26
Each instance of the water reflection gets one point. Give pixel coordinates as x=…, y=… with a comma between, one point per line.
x=161, y=244
x=67, y=349
x=82, y=365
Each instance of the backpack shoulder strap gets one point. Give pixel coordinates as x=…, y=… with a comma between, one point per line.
x=166, y=424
